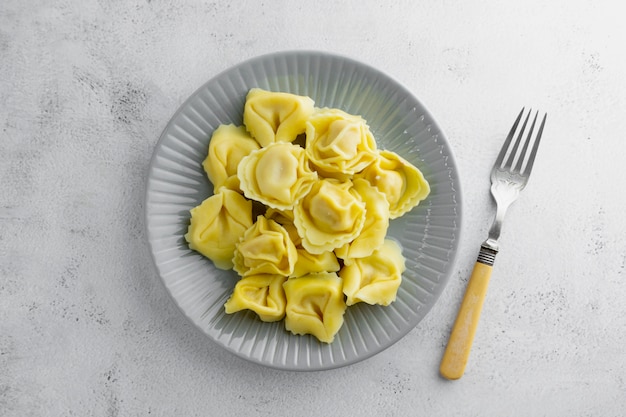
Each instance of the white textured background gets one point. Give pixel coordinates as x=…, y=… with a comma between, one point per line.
x=86, y=87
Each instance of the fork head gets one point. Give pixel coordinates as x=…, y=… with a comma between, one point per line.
x=511, y=171
x=512, y=164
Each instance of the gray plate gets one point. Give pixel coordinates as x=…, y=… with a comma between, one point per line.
x=429, y=234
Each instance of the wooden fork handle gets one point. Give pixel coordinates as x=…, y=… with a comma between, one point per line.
x=460, y=343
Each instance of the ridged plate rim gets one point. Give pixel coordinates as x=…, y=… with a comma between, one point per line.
x=400, y=123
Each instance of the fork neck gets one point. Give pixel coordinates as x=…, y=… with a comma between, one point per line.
x=490, y=247
x=494, y=231
x=502, y=205
x=491, y=244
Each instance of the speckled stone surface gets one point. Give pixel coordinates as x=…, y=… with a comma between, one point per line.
x=86, y=87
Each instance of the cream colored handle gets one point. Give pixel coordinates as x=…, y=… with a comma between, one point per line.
x=462, y=335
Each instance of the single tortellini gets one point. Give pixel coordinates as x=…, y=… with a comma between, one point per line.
x=265, y=248
x=285, y=219
x=376, y=278
x=228, y=145
x=339, y=144
x=329, y=216
x=309, y=263
x=402, y=183
x=263, y=294
x=276, y=117
x=277, y=175
x=315, y=305
x=376, y=223
x=217, y=224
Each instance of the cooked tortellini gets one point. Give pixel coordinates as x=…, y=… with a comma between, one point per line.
x=376, y=278
x=315, y=305
x=285, y=219
x=402, y=183
x=217, y=225
x=329, y=216
x=339, y=144
x=228, y=145
x=375, y=226
x=277, y=175
x=265, y=248
x=263, y=294
x=308, y=262
x=276, y=117
x=301, y=206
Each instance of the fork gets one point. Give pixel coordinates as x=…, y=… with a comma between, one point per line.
x=508, y=177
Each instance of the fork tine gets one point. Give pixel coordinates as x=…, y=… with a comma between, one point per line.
x=507, y=142
x=520, y=160
x=533, y=152
x=511, y=159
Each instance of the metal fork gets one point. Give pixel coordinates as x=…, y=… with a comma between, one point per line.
x=509, y=176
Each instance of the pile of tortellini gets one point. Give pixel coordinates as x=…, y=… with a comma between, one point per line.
x=301, y=207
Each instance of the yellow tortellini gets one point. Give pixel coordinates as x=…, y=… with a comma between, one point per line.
x=285, y=219
x=376, y=278
x=323, y=196
x=277, y=175
x=315, y=305
x=376, y=223
x=228, y=145
x=402, y=183
x=265, y=248
x=339, y=144
x=329, y=216
x=217, y=225
x=276, y=117
x=308, y=263
x=263, y=294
